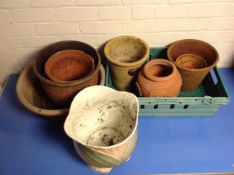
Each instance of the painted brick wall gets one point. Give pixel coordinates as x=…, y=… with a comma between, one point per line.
x=28, y=25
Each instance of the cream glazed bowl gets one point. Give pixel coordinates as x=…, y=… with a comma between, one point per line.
x=103, y=125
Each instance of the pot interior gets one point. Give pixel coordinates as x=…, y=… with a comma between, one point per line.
x=105, y=121
x=160, y=70
x=191, y=61
x=69, y=65
x=126, y=50
x=196, y=47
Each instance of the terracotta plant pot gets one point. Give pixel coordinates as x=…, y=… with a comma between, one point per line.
x=63, y=93
x=126, y=55
x=104, y=129
x=191, y=61
x=68, y=65
x=31, y=95
x=159, y=78
x=193, y=77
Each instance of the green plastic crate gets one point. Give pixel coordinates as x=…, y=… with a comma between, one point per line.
x=204, y=101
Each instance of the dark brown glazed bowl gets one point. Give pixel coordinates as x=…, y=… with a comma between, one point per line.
x=63, y=93
x=68, y=65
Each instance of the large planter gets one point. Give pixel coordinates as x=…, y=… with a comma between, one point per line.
x=104, y=129
x=126, y=55
x=59, y=92
x=193, y=76
x=159, y=78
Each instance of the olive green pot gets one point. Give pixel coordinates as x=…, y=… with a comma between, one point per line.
x=125, y=55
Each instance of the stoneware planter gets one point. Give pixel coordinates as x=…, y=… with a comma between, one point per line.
x=193, y=77
x=103, y=124
x=31, y=95
x=69, y=65
x=126, y=55
x=63, y=93
x=159, y=78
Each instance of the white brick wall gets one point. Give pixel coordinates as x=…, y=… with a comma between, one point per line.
x=31, y=24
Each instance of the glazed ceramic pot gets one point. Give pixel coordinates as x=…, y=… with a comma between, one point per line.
x=204, y=55
x=103, y=124
x=68, y=65
x=126, y=55
x=59, y=92
x=32, y=96
x=159, y=78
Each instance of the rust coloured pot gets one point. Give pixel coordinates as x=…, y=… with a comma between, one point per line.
x=192, y=76
x=68, y=65
x=159, y=78
x=63, y=93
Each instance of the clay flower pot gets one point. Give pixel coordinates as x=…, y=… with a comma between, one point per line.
x=159, y=78
x=203, y=54
x=63, y=93
x=191, y=61
x=68, y=65
x=104, y=129
x=126, y=55
x=32, y=96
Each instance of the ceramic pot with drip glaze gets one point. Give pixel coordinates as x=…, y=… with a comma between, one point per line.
x=104, y=130
x=125, y=55
x=62, y=93
x=194, y=60
x=159, y=78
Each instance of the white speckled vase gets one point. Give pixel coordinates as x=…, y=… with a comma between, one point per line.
x=103, y=124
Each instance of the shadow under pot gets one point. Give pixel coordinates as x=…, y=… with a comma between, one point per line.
x=159, y=78
x=194, y=60
x=62, y=93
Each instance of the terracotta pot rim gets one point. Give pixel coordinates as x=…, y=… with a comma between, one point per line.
x=71, y=83
x=54, y=56
x=188, y=69
x=160, y=61
x=189, y=54
x=134, y=130
x=141, y=60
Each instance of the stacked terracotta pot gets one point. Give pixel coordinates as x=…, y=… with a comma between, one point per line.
x=64, y=68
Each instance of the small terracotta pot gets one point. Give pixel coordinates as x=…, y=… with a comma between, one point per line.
x=126, y=55
x=191, y=61
x=68, y=65
x=63, y=93
x=159, y=78
x=191, y=77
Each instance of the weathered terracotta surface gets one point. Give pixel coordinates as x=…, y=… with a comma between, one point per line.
x=68, y=65
x=63, y=93
x=32, y=96
x=191, y=61
x=159, y=78
x=104, y=129
x=126, y=55
x=192, y=78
